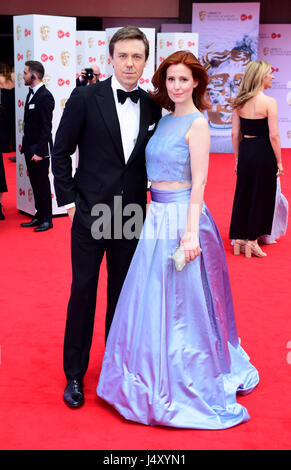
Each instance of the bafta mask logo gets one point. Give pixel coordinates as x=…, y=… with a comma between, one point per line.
x=90, y=42
x=29, y=195
x=65, y=57
x=63, y=103
x=46, y=79
x=202, y=15
x=20, y=126
x=19, y=80
x=28, y=54
x=18, y=32
x=44, y=32
x=288, y=134
x=161, y=43
x=79, y=59
x=21, y=170
x=181, y=44
x=266, y=51
x=102, y=59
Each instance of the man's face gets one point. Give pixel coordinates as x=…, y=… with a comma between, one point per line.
x=96, y=72
x=128, y=62
x=27, y=76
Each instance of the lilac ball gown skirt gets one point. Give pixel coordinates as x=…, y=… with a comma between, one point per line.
x=173, y=356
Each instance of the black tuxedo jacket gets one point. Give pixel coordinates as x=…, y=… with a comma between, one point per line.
x=37, y=132
x=90, y=122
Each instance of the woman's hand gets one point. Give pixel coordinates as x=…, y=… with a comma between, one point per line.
x=280, y=169
x=191, y=245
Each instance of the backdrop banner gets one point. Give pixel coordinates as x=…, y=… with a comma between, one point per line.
x=167, y=43
x=228, y=40
x=50, y=40
x=275, y=47
x=91, y=50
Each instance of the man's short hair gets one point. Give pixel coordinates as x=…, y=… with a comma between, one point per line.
x=35, y=67
x=129, y=32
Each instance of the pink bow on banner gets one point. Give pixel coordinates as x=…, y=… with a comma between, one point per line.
x=191, y=43
x=169, y=44
x=274, y=35
x=143, y=80
x=62, y=82
x=19, y=56
x=161, y=59
x=45, y=57
x=246, y=17
x=21, y=192
x=92, y=59
x=78, y=43
x=101, y=43
x=27, y=32
x=61, y=34
x=274, y=70
x=20, y=103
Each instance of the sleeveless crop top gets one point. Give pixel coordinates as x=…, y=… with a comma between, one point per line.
x=254, y=127
x=167, y=152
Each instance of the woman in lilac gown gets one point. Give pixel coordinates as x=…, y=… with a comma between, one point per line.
x=173, y=356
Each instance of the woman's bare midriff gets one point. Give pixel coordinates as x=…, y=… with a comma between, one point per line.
x=168, y=185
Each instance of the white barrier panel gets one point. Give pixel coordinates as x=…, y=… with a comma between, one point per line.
x=145, y=80
x=228, y=40
x=275, y=47
x=50, y=40
x=91, y=50
x=167, y=43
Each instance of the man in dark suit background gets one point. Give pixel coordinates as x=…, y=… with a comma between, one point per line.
x=111, y=131
x=37, y=143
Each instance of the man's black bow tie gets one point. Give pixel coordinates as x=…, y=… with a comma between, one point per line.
x=134, y=95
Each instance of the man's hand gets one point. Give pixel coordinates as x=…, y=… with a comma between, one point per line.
x=71, y=212
x=36, y=158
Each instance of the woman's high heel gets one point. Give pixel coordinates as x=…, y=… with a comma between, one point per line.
x=254, y=249
x=239, y=247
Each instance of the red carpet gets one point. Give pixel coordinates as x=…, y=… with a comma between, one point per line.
x=34, y=288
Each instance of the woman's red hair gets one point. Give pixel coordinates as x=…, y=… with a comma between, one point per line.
x=199, y=73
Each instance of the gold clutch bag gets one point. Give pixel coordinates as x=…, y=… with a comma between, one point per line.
x=179, y=258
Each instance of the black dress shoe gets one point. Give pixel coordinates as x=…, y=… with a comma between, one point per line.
x=33, y=223
x=73, y=395
x=43, y=227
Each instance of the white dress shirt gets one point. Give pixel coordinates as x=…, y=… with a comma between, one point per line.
x=34, y=89
x=128, y=116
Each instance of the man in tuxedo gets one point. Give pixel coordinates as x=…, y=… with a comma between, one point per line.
x=37, y=143
x=84, y=80
x=111, y=123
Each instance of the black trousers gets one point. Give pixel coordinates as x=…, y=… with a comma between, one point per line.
x=38, y=173
x=87, y=254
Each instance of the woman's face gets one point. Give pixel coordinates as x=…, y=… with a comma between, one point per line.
x=180, y=83
x=267, y=81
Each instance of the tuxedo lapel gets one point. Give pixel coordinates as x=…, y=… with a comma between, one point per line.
x=106, y=104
